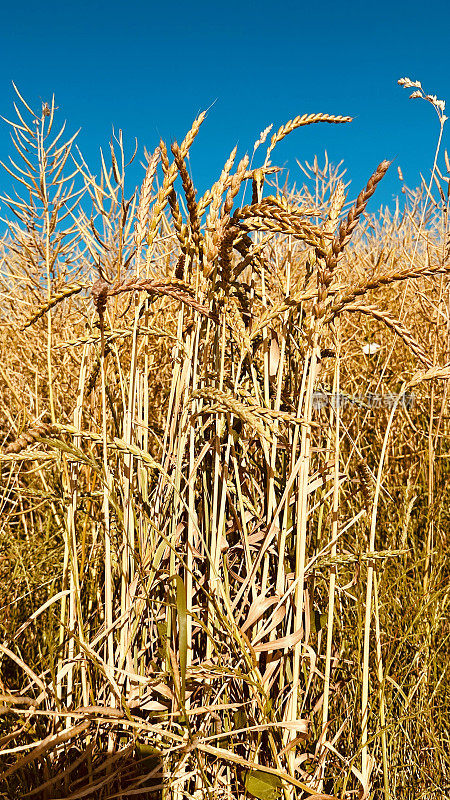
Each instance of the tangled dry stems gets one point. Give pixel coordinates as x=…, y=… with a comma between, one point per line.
x=170, y=549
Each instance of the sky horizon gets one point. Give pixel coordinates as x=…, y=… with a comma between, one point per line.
x=149, y=70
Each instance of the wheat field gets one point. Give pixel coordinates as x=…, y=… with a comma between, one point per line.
x=224, y=499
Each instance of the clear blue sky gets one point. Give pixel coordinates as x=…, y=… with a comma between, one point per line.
x=149, y=68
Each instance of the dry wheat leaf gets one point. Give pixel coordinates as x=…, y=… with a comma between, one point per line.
x=257, y=609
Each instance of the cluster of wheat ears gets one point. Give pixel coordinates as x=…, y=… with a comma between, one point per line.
x=210, y=587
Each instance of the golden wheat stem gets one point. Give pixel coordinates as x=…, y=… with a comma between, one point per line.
x=381, y=683
x=128, y=539
x=335, y=427
x=75, y=612
x=47, y=221
x=280, y=580
x=107, y=492
x=301, y=527
x=216, y=532
x=365, y=757
x=192, y=513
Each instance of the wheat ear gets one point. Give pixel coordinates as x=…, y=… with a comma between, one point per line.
x=348, y=226
x=327, y=257
x=300, y=121
x=395, y=325
x=37, y=431
x=177, y=219
x=384, y=280
x=143, y=208
x=212, y=238
x=191, y=203
x=169, y=180
x=68, y=291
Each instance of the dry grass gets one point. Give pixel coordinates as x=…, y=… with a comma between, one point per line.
x=215, y=580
